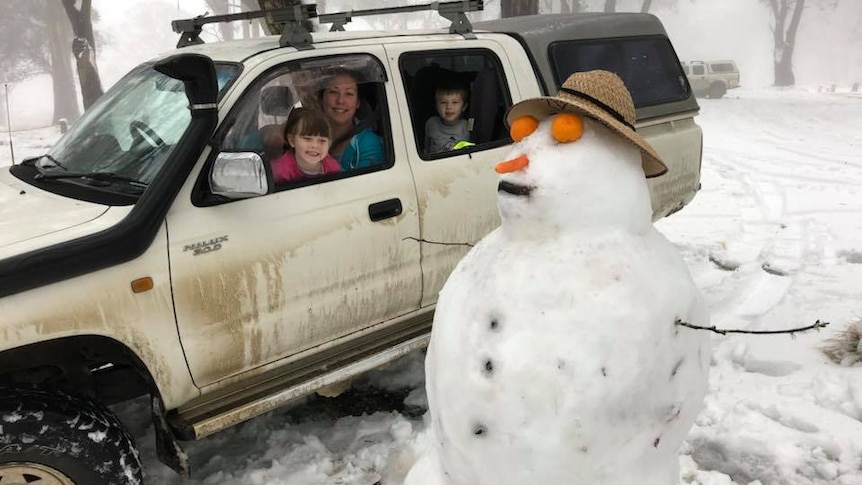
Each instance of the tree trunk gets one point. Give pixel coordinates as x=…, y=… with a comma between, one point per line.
x=610, y=5
x=785, y=40
x=84, y=50
x=253, y=28
x=517, y=8
x=646, y=6
x=65, y=96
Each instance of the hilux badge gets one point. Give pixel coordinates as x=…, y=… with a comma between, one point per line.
x=207, y=246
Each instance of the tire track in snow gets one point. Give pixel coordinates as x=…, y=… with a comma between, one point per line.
x=767, y=239
x=787, y=425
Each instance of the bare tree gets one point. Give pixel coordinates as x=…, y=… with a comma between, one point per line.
x=23, y=47
x=516, y=8
x=250, y=29
x=784, y=36
x=84, y=50
x=34, y=39
x=62, y=77
x=786, y=15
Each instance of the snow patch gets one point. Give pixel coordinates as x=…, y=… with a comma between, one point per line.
x=12, y=417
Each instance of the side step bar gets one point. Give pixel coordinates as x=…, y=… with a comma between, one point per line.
x=206, y=419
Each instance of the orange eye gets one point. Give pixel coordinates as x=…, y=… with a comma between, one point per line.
x=522, y=127
x=567, y=127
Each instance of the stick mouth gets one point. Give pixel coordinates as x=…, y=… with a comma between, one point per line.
x=514, y=189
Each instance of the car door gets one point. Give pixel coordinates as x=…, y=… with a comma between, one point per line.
x=457, y=189
x=308, y=265
x=698, y=78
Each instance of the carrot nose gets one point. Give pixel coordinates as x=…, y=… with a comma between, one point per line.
x=512, y=165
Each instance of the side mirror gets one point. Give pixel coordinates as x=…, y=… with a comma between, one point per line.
x=238, y=175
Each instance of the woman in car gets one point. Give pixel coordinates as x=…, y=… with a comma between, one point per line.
x=355, y=145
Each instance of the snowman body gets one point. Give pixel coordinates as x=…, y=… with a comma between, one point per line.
x=555, y=355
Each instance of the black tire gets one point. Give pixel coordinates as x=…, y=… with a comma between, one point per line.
x=50, y=437
x=717, y=90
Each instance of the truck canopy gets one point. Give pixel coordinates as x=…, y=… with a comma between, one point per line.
x=560, y=44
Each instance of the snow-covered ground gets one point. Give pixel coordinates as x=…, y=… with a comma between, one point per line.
x=774, y=240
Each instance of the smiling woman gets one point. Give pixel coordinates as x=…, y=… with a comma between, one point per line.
x=355, y=146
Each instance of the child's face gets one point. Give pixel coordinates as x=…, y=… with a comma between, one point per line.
x=450, y=106
x=309, y=149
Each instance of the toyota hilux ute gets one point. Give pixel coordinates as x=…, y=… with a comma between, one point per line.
x=711, y=78
x=150, y=252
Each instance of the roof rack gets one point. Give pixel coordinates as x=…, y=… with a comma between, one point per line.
x=453, y=11
x=297, y=31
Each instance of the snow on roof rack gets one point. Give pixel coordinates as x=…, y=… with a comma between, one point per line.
x=296, y=31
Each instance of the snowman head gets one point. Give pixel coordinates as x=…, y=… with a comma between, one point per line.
x=577, y=161
x=602, y=96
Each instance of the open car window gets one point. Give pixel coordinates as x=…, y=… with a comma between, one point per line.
x=257, y=122
x=473, y=76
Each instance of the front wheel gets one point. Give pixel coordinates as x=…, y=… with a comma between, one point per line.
x=53, y=438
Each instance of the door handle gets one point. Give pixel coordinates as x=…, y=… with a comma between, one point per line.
x=384, y=210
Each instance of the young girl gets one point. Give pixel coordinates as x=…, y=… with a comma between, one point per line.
x=308, y=138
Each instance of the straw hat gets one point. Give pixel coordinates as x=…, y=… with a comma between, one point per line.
x=601, y=95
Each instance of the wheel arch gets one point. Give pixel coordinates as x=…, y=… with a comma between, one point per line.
x=94, y=365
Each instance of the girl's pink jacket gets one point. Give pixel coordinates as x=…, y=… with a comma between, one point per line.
x=285, y=169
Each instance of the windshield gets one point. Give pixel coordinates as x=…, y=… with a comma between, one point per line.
x=127, y=136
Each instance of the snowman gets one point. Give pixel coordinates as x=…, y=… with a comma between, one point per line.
x=555, y=357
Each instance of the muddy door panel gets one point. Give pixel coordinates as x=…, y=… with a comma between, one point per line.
x=261, y=279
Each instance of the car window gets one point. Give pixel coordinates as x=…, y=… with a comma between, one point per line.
x=648, y=66
x=722, y=67
x=343, y=95
x=698, y=70
x=457, y=100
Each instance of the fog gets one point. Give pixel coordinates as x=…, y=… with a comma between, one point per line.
x=827, y=48
x=828, y=45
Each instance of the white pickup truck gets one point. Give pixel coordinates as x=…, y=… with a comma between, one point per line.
x=149, y=252
x=711, y=78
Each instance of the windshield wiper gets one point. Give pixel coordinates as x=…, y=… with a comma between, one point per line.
x=52, y=160
x=97, y=176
